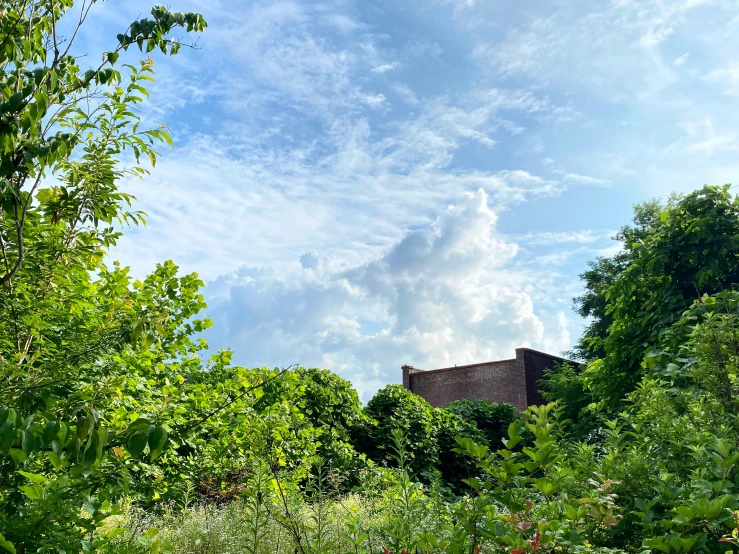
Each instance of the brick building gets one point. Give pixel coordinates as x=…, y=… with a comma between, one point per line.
x=512, y=381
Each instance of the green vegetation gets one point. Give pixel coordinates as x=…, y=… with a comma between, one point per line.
x=119, y=434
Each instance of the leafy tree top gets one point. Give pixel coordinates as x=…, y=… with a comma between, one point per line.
x=672, y=255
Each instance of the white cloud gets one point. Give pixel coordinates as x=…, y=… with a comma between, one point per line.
x=549, y=237
x=441, y=295
x=681, y=60
x=384, y=68
x=726, y=77
x=585, y=179
x=612, y=48
x=406, y=94
x=374, y=100
x=343, y=23
x=712, y=142
x=319, y=142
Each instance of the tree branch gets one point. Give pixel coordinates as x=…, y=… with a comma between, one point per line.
x=228, y=403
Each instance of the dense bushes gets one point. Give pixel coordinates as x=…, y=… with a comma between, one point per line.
x=491, y=418
x=430, y=433
x=662, y=476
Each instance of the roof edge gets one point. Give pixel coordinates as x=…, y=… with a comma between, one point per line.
x=560, y=358
x=478, y=364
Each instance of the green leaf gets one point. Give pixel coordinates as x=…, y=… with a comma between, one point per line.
x=13, y=102
x=140, y=424
x=35, y=477
x=7, y=545
x=157, y=436
x=55, y=460
x=136, y=443
x=92, y=450
x=8, y=434
x=51, y=430
x=18, y=455
x=34, y=492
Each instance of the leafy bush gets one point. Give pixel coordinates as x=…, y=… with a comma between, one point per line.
x=491, y=418
x=429, y=435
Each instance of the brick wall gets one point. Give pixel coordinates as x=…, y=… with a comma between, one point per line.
x=511, y=381
x=493, y=381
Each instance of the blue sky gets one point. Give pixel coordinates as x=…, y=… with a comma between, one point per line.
x=366, y=184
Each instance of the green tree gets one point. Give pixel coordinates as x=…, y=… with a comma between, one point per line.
x=672, y=255
x=391, y=408
x=92, y=363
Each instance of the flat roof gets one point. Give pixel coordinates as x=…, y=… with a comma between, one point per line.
x=478, y=364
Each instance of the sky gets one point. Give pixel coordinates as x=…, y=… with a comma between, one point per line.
x=364, y=184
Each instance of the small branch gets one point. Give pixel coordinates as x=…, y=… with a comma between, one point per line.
x=228, y=403
x=83, y=16
x=10, y=294
x=10, y=31
x=5, y=279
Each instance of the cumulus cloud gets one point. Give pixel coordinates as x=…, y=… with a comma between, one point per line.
x=320, y=144
x=254, y=199
x=445, y=294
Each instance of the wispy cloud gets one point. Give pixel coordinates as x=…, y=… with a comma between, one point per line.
x=613, y=48
x=726, y=77
x=711, y=141
x=406, y=94
x=585, y=179
x=384, y=68
x=583, y=237
x=681, y=60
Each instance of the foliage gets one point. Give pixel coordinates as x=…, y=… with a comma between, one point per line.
x=120, y=433
x=92, y=363
x=492, y=418
x=429, y=435
x=566, y=385
x=659, y=475
x=331, y=411
x=671, y=256
x=393, y=407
